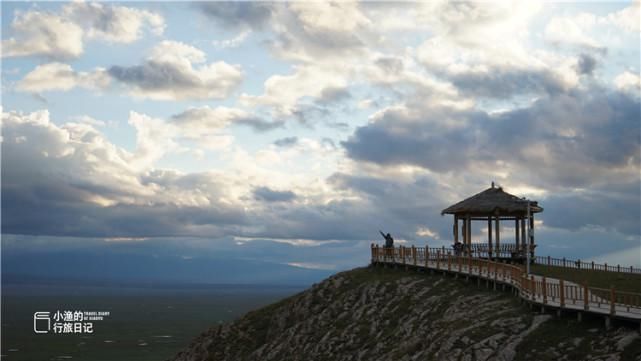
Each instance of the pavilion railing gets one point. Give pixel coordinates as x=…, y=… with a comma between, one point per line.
x=578, y=264
x=504, y=250
x=542, y=290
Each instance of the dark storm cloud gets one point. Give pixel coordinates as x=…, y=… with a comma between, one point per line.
x=269, y=195
x=253, y=15
x=602, y=133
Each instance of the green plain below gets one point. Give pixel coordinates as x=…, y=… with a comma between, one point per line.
x=140, y=327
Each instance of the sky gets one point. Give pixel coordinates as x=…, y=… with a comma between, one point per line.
x=288, y=134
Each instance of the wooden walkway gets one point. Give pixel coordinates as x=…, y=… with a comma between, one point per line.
x=547, y=292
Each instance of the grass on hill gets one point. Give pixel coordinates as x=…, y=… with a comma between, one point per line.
x=626, y=282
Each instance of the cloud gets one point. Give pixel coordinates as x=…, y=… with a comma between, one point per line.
x=154, y=138
x=62, y=35
x=572, y=31
x=612, y=208
x=628, y=81
x=456, y=95
x=627, y=18
x=286, y=142
x=198, y=121
x=112, y=23
x=474, y=25
x=507, y=71
x=169, y=74
x=284, y=91
x=58, y=76
x=586, y=64
x=233, y=42
x=43, y=34
x=248, y=15
x=70, y=180
x=269, y=195
x=571, y=141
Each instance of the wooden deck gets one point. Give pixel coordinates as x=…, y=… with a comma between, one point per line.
x=546, y=292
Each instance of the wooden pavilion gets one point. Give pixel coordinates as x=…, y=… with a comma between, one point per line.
x=495, y=205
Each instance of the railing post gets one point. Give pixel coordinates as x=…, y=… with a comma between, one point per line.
x=612, y=301
x=449, y=262
x=438, y=259
x=618, y=268
x=586, y=301
x=563, y=261
x=532, y=288
x=545, y=291
x=548, y=260
x=593, y=265
x=377, y=255
x=414, y=254
x=561, y=293
x=578, y=263
x=427, y=255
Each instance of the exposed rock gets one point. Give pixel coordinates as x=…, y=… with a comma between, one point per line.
x=387, y=314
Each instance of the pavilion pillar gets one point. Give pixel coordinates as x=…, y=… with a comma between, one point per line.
x=497, y=249
x=529, y=241
x=517, y=234
x=468, y=232
x=489, y=237
x=455, y=228
x=523, y=240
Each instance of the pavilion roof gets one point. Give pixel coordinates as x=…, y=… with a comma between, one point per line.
x=493, y=201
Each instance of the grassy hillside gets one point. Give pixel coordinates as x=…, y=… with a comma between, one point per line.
x=620, y=281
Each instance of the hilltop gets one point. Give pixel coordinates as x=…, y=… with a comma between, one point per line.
x=392, y=314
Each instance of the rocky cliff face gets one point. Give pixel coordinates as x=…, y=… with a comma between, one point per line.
x=389, y=314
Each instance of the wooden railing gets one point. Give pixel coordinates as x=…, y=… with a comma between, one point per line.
x=546, y=291
x=578, y=264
